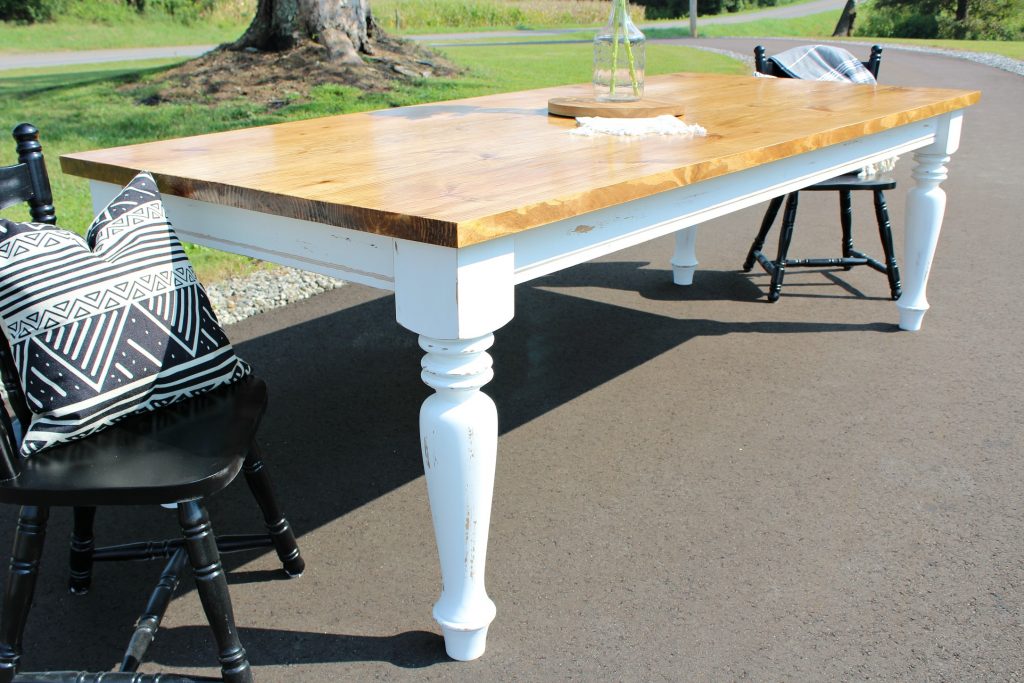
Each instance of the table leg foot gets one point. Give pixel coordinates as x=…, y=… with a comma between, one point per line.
x=684, y=260
x=683, y=275
x=459, y=438
x=911, y=318
x=464, y=645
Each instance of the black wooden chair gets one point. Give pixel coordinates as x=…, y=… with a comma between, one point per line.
x=845, y=184
x=178, y=455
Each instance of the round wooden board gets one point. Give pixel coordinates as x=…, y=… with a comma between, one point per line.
x=583, y=106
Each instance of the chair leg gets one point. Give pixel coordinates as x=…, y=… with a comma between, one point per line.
x=846, y=220
x=885, y=233
x=212, y=585
x=277, y=526
x=785, y=237
x=21, y=585
x=149, y=623
x=766, y=225
x=83, y=544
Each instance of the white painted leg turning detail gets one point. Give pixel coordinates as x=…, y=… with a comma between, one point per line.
x=459, y=437
x=684, y=260
x=926, y=205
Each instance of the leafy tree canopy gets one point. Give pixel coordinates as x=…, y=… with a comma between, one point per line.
x=963, y=19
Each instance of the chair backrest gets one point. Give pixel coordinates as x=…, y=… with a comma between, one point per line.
x=28, y=182
x=765, y=66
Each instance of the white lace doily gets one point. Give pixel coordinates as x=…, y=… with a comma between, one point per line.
x=659, y=125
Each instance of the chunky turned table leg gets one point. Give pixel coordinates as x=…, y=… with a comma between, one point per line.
x=455, y=299
x=459, y=437
x=684, y=260
x=926, y=204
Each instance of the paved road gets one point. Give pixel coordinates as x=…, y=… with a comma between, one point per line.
x=42, y=59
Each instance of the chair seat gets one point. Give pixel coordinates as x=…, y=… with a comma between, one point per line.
x=180, y=452
x=851, y=181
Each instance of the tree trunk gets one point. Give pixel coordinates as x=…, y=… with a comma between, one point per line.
x=961, y=10
x=344, y=27
x=844, y=27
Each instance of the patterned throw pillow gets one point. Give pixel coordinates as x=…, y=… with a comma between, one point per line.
x=109, y=326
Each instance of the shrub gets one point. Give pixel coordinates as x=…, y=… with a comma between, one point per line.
x=30, y=11
x=107, y=12
x=986, y=20
x=898, y=22
x=114, y=12
x=185, y=11
x=980, y=28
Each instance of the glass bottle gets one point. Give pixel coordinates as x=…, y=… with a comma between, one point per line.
x=619, y=58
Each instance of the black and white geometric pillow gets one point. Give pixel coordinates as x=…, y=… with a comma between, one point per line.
x=109, y=326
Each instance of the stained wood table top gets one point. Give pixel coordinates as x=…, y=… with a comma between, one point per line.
x=461, y=172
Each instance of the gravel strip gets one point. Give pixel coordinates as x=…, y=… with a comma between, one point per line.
x=1015, y=66
x=238, y=298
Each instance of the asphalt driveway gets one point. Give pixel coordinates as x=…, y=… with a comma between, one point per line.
x=692, y=484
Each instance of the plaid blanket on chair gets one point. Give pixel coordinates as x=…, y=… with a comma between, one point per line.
x=822, y=63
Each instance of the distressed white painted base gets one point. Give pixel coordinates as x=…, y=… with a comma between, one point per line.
x=684, y=260
x=459, y=437
x=926, y=205
x=455, y=299
x=466, y=294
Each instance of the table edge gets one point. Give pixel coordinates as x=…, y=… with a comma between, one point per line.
x=485, y=228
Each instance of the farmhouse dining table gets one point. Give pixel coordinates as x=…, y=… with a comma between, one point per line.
x=452, y=204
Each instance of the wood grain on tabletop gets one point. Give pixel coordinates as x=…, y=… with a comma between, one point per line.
x=464, y=171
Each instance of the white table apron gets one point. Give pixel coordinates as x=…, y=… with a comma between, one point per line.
x=456, y=298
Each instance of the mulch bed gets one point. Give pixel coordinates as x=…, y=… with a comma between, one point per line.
x=276, y=78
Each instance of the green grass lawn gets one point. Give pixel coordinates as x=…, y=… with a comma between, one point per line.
x=127, y=29
x=405, y=17
x=814, y=25
x=80, y=108
x=818, y=26
x=157, y=31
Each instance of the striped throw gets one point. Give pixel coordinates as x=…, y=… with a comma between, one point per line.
x=822, y=63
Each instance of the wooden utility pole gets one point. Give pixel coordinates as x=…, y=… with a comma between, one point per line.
x=693, y=18
x=845, y=25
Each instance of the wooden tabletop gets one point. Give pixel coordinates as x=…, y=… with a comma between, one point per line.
x=461, y=172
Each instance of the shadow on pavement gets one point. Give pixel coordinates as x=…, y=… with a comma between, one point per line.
x=341, y=432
